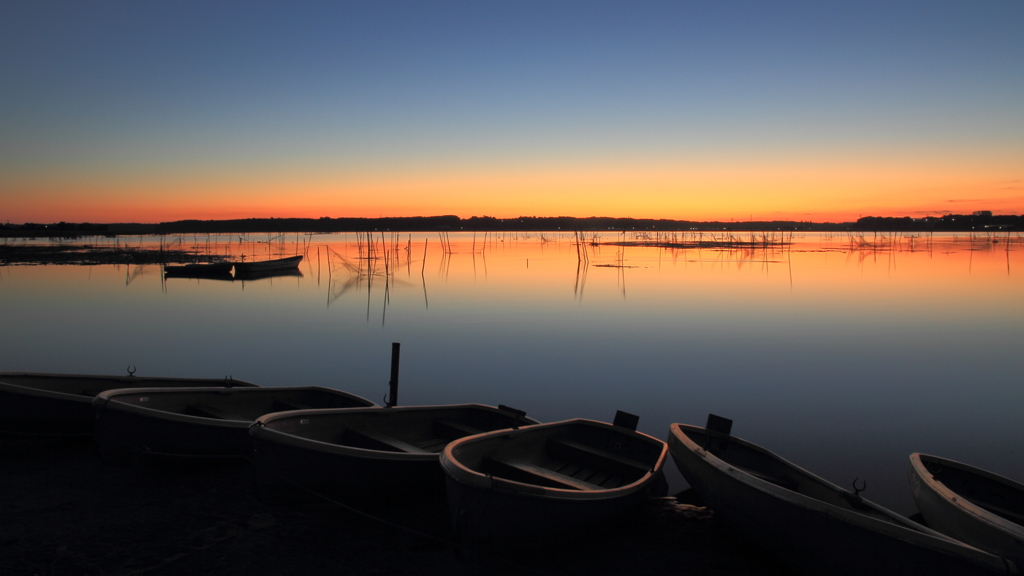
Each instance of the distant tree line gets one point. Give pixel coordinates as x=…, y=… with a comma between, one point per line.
x=978, y=221
x=982, y=220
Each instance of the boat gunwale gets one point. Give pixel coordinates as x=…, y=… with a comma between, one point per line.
x=912, y=532
x=106, y=401
x=462, y=474
x=86, y=399
x=259, y=429
x=961, y=502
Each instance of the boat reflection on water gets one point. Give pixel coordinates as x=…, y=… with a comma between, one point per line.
x=218, y=271
x=261, y=274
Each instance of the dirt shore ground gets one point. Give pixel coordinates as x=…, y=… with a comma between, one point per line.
x=63, y=512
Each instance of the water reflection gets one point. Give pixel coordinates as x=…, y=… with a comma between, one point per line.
x=845, y=353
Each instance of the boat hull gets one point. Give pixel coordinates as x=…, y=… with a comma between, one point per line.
x=155, y=422
x=816, y=536
x=61, y=404
x=504, y=491
x=267, y=265
x=961, y=501
x=346, y=452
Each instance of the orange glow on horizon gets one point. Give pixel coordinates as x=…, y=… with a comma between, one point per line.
x=820, y=192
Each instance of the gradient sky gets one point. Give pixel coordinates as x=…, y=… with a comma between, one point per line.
x=157, y=111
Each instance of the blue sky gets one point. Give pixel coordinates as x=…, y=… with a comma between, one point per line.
x=359, y=92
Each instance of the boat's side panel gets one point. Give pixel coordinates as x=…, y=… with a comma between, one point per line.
x=485, y=519
x=26, y=411
x=944, y=511
x=816, y=539
x=123, y=436
x=39, y=403
x=282, y=467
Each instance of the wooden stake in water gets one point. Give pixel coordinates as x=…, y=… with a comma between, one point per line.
x=393, y=399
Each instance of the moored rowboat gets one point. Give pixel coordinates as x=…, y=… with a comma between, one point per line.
x=812, y=523
x=196, y=421
x=267, y=265
x=61, y=404
x=539, y=484
x=366, y=451
x=977, y=507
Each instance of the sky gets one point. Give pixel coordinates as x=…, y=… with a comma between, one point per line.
x=823, y=111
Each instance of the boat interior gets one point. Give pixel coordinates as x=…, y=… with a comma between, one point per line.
x=410, y=430
x=989, y=494
x=575, y=457
x=766, y=466
x=239, y=404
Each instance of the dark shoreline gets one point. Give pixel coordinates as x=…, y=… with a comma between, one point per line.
x=981, y=221
x=87, y=255
x=67, y=513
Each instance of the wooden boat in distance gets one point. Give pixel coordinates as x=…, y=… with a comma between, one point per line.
x=977, y=507
x=61, y=404
x=536, y=485
x=267, y=265
x=196, y=421
x=215, y=270
x=391, y=452
x=812, y=523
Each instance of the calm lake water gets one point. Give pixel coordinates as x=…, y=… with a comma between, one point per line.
x=842, y=354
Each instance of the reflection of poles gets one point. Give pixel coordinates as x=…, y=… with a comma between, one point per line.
x=622, y=275
x=387, y=269
x=1007, y=253
x=131, y=276
x=789, y=259
x=446, y=242
x=970, y=259
x=582, y=267
x=423, y=269
x=387, y=279
x=581, y=247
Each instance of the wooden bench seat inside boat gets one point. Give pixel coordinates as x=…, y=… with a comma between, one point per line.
x=451, y=429
x=372, y=440
x=279, y=406
x=207, y=411
x=433, y=445
x=783, y=482
x=590, y=456
x=533, y=474
x=1010, y=515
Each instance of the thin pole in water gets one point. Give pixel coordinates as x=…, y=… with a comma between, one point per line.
x=393, y=399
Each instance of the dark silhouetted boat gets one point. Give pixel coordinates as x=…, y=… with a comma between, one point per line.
x=817, y=526
x=390, y=452
x=61, y=404
x=196, y=421
x=540, y=484
x=267, y=265
x=978, y=507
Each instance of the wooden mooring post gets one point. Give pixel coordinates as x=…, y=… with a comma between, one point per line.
x=393, y=395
